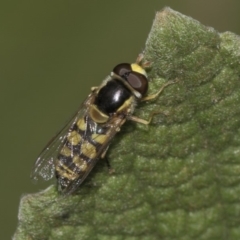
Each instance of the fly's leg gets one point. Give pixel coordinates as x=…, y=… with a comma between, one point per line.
x=110, y=169
x=139, y=61
x=103, y=156
x=108, y=163
x=154, y=96
x=143, y=121
x=147, y=98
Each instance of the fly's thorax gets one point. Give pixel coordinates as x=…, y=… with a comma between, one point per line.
x=112, y=99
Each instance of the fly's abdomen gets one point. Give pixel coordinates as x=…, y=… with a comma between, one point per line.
x=79, y=153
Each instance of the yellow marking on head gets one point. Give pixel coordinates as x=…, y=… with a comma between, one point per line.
x=81, y=124
x=99, y=138
x=137, y=68
x=88, y=150
x=66, y=151
x=80, y=163
x=74, y=138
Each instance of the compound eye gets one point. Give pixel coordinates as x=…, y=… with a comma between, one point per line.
x=122, y=68
x=137, y=81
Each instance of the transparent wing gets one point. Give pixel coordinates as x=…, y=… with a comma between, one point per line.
x=44, y=167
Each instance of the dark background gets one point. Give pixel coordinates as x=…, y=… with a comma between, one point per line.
x=51, y=53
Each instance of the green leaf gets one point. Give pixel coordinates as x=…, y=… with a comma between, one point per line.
x=178, y=178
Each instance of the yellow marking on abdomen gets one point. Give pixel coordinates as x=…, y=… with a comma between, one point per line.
x=74, y=138
x=80, y=163
x=81, y=124
x=88, y=150
x=65, y=151
x=99, y=138
x=66, y=172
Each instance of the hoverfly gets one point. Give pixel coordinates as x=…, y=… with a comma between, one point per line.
x=75, y=150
